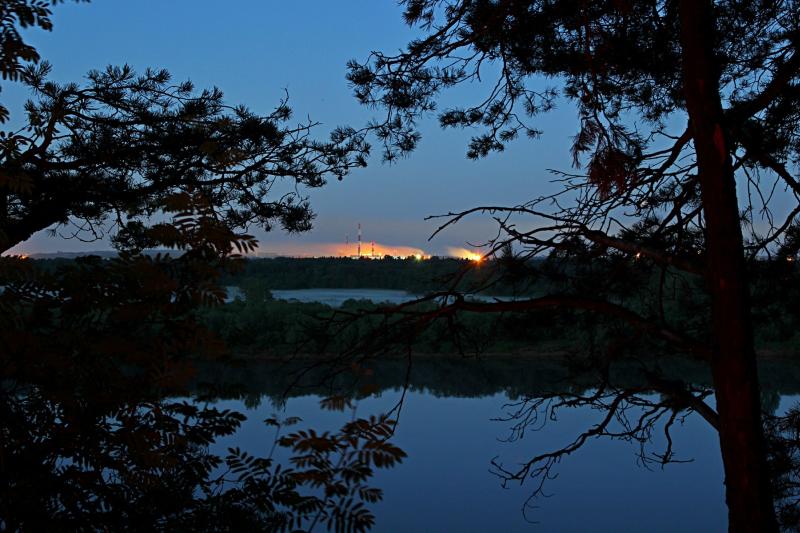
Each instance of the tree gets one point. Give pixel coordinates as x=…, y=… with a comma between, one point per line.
x=95, y=354
x=679, y=102
x=15, y=53
x=123, y=144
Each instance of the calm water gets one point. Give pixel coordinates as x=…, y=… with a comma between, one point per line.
x=445, y=484
x=336, y=297
x=332, y=297
x=448, y=429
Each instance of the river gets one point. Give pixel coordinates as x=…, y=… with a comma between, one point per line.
x=450, y=430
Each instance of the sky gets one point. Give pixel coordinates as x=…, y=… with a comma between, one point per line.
x=254, y=51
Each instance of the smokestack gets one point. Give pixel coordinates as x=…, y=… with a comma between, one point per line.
x=359, y=239
x=372, y=253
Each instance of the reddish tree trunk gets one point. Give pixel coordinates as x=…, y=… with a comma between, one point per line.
x=747, y=483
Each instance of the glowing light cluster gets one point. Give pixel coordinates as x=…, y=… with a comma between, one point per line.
x=464, y=253
x=318, y=249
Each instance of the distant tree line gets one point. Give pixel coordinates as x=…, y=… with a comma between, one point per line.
x=408, y=274
x=259, y=325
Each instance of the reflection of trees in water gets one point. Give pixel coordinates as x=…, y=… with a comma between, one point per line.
x=94, y=435
x=637, y=401
x=646, y=415
x=469, y=377
x=783, y=440
x=120, y=465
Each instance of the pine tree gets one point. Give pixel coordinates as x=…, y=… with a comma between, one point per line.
x=680, y=103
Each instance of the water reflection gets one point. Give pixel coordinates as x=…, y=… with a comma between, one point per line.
x=445, y=484
x=451, y=432
x=103, y=455
x=78, y=457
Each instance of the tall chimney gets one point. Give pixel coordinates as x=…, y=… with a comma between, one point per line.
x=359, y=239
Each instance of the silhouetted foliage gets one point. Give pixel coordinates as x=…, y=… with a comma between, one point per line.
x=678, y=102
x=122, y=145
x=97, y=427
x=784, y=452
x=15, y=53
x=97, y=354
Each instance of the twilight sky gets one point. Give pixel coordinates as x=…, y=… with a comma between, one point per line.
x=254, y=50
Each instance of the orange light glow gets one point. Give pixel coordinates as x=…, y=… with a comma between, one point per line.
x=463, y=253
x=319, y=249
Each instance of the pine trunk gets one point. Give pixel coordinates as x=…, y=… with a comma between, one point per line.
x=747, y=482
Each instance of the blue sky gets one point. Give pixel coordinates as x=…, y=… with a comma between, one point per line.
x=254, y=50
